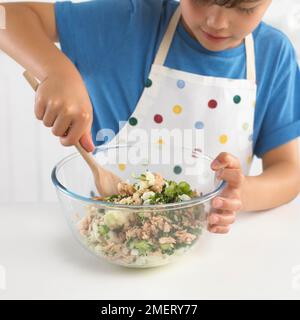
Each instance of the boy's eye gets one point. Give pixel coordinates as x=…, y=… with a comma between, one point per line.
x=247, y=10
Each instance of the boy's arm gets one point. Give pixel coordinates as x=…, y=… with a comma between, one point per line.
x=62, y=101
x=29, y=38
x=278, y=184
x=46, y=14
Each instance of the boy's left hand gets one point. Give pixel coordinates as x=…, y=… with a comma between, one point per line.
x=226, y=205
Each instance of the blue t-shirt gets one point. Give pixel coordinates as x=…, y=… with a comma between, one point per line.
x=113, y=44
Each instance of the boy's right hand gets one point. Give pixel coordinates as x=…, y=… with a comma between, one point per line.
x=63, y=104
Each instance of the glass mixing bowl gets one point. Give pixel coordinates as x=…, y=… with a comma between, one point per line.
x=137, y=235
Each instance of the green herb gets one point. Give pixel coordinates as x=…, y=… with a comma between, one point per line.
x=143, y=246
x=167, y=248
x=181, y=245
x=171, y=192
x=195, y=231
x=184, y=188
x=141, y=217
x=103, y=230
x=142, y=177
x=114, y=197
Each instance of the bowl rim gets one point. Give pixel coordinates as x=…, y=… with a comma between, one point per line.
x=178, y=205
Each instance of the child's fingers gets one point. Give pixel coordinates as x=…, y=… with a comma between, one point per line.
x=75, y=132
x=72, y=135
x=86, y=141
x=234, y=177
x=225, y=160
x=39, y=108
x=218, y=229
x=61, y=125
x=51, y=113
x=227, y=204
x=222, y=219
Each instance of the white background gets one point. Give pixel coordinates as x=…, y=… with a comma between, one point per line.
x=29, y=151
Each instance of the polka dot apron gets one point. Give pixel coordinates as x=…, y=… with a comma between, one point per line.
x=219, y=112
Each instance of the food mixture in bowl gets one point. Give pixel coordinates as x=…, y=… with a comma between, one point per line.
x=144, y=237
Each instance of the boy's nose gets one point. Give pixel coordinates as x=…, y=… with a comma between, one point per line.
x=216, y=19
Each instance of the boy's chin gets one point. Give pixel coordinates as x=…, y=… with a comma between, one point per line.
x=219, y=46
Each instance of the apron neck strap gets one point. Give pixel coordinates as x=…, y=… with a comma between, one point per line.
x=169, y=35
x=167, y=39
x=250, y=53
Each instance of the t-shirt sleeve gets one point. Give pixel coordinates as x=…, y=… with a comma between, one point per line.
x=96, y=24
x=281, y=122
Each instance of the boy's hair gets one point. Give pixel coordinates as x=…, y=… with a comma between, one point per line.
x=227, y=3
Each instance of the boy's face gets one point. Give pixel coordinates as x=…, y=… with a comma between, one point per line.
x=219, y=28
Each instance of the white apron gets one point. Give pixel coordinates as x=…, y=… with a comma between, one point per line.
x=218, y=111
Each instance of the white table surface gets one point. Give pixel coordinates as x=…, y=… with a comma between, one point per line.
x=260, y=258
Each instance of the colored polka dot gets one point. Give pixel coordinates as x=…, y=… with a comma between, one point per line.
x=160, y=141
x=250, y=138
x=177, y=169
x=237, y=99
x=223, y=138
x=148, y=83
x=212, y=104
x=199, y=125
x=177, y=109
x=246, y=126
x=158, y=118
x=180, y=84
x=122, y=166
x=133, y=121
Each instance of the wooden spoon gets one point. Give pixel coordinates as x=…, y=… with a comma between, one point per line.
x=106, y=182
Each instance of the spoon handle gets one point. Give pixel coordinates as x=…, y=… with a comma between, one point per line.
x=87, y=156
x=31, y=80
x=90, y=160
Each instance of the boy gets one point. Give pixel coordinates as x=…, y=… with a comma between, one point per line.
x=109, y=47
